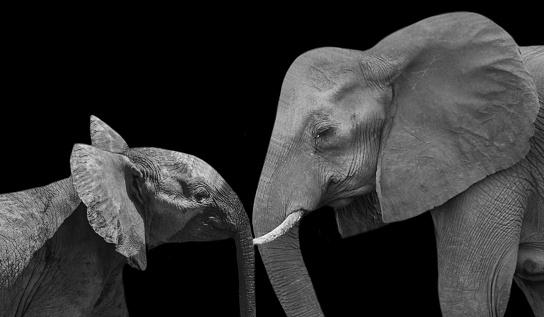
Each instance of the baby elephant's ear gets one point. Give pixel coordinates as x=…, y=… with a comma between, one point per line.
x=106, y=183
x=105, y=138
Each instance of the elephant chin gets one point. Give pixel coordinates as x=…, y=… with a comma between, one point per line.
x=340, y=203
x=287, y=224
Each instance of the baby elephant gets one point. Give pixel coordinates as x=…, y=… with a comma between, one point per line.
x=63, y=246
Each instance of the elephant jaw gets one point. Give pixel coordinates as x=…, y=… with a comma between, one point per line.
x=340, y=203
x=287, y=224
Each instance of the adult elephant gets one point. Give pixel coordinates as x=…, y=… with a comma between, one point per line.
x=437, y=117
x=63, y=246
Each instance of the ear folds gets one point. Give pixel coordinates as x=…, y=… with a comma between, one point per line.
x=103, y=181
x=465, y=107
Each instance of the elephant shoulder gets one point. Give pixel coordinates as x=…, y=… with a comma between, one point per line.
x=28, y=219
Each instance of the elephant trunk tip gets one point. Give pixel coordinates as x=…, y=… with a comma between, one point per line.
x=287, y=224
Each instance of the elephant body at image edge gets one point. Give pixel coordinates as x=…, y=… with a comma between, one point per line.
x=443, y=116
x=64, y=245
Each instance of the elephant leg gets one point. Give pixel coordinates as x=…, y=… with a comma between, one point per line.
x=111, y=302
x=477, y=235
x=530, y=276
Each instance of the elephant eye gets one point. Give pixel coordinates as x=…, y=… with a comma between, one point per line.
x=323, y=136
x=200, y=194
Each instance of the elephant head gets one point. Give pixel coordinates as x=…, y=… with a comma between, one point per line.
x=386, y=134
x=138, y=197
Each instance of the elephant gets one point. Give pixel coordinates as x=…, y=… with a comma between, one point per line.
x=444, y=116
x=63, y=246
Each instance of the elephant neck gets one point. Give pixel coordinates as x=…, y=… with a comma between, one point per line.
x=61, y=199
x=74, y=270
x=53, y=203
x=42, y=210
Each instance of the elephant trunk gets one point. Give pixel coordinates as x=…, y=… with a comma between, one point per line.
x=240, y=229
x=289, y=276
x=246, y=265
x=282, y=199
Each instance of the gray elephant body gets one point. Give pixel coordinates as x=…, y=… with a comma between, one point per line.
x=74, y=273
x=504, y=213
x=444, y=116
x=63, y=246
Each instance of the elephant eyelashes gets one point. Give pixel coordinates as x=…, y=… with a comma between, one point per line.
x=197, y=191
x=201, y=194
x=324, y=138
x=323, y=134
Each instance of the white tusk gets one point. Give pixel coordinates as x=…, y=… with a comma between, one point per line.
x=287, y=224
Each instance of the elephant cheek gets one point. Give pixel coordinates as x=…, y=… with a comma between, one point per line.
x=175, y=226
x=292, y=190
x=341, y=203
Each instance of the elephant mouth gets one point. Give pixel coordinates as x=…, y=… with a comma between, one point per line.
x=291, y=220
x=340, y=203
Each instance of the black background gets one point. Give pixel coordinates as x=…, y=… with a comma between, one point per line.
x=206, y=81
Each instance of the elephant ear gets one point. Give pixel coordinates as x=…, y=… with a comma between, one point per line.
x=105, y=138
x=106, y=183
x=533, y=58
x=361, y=215
x=463, y=108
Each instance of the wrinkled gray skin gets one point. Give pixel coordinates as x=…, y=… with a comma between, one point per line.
x=63, y=246
x=442, y=116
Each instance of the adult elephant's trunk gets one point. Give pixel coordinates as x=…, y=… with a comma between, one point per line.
x=288, y=275
x=246, y=265
x=285, y=192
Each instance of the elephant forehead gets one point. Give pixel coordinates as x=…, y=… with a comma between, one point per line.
x=198, y=169
x=171, y=161
x=324, y=68
x=325, y=76
x=297, y=116
x=312, y=85
x=292, y=113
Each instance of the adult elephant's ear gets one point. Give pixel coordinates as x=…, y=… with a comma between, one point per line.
x=107, y=184
x=463, y=108
x=105, y=138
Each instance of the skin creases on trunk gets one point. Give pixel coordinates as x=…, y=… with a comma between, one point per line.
x=245, y=251
x=245, y=254
x=284, y=190
x=289, y=276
